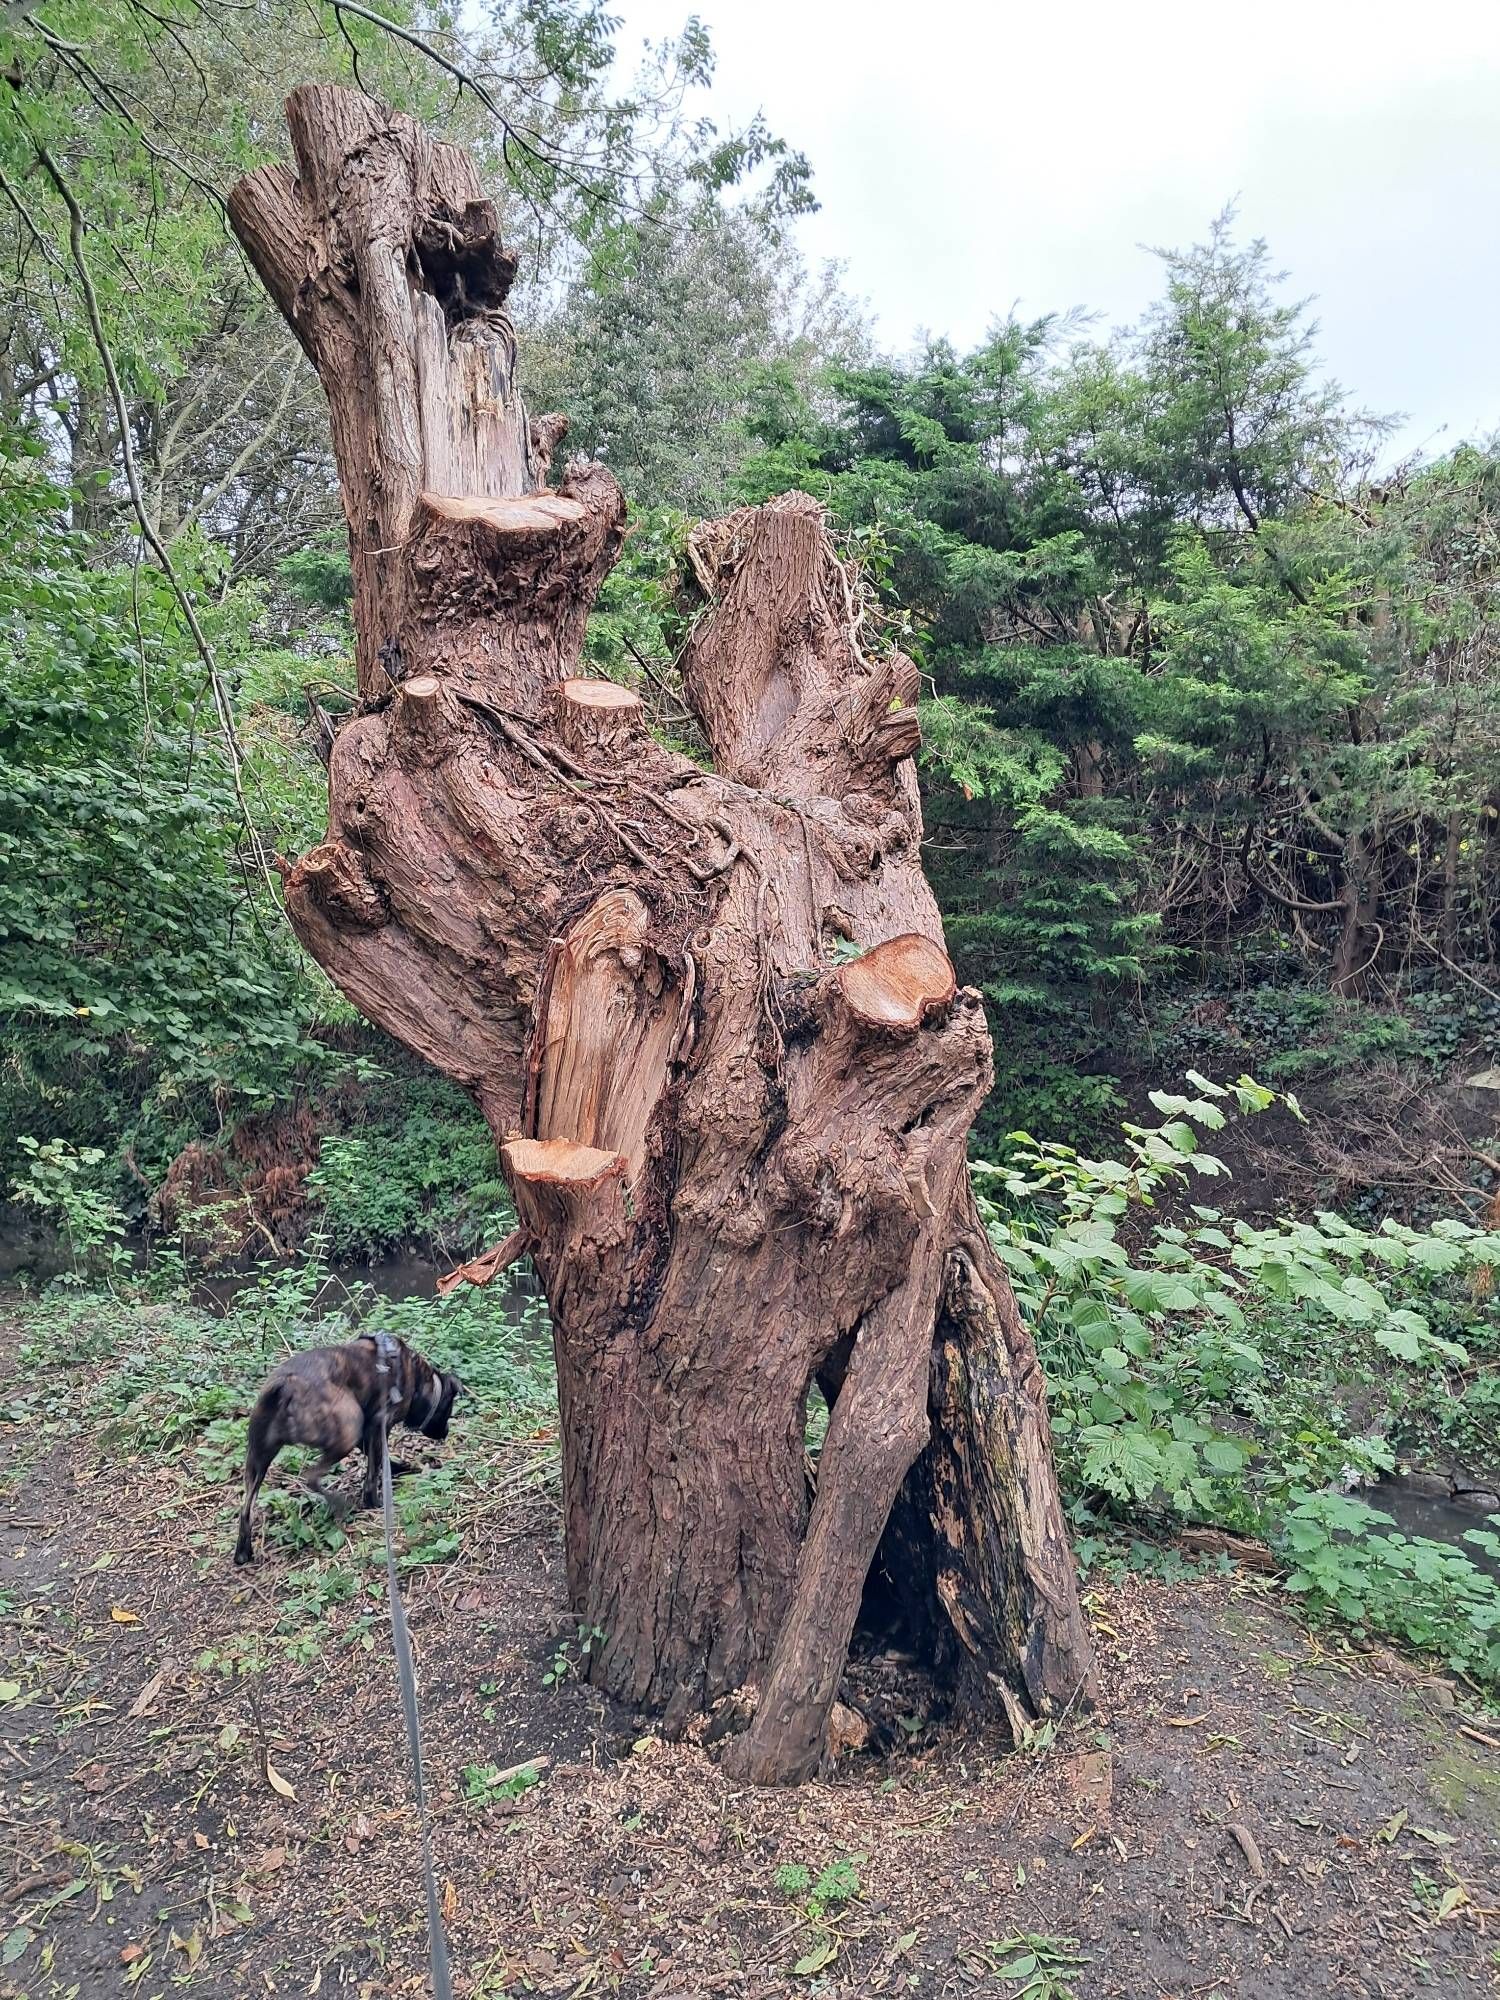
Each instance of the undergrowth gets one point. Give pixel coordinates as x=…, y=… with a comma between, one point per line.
x=1205, y=1371
x=1201, y=1371
x=418, y=1168
x=164, y=1379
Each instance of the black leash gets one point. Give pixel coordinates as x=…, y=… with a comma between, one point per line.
x=437, y=1937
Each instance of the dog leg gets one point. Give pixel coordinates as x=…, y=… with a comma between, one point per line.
x=312, y=1481
x=263, y=1440
x=369, y=1495
x=258, y=1456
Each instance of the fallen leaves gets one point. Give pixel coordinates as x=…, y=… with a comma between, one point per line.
x=1245, y=1841
x=822, y=1954
x=278, y=1784
x=142, y=1703
x=190, y=1946
x=121, y=1616
x=1400, y=1823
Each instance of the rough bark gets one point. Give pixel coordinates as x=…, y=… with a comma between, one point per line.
x=1361, y=933
x=737, y=1160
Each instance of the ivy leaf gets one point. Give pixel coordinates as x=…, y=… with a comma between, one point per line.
x=15, y=1945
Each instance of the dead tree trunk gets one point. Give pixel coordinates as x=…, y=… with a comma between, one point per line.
x=735, y=1160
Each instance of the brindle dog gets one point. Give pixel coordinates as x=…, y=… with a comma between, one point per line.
x=330, y=1398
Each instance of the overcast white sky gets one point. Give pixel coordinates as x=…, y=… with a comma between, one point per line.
x=971, y=155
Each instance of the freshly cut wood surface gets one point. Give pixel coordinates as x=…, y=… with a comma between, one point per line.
x=897, y=983
x=559, y=1163
x=518, y=514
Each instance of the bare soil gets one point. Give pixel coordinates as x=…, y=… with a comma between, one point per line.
x=1248, y=1811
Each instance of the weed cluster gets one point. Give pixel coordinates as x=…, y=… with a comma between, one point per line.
x=1207, y=1371
x=163, y=1377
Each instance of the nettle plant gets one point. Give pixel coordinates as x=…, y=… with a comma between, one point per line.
x=58, y=1180
x=1342, y=1556
x=1208, y=1370
x=1198, y=1366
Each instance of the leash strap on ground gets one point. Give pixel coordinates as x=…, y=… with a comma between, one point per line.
x=437, y=1937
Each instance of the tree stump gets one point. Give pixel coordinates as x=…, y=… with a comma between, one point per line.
x=738, y=1163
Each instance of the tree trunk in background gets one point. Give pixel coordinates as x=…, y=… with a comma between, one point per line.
x=733, y=1157
x=1452, y=851
x=1361, y=933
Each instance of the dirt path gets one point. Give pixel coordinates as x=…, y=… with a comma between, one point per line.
x=1246, y=1815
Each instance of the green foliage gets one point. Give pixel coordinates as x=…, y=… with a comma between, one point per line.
x=483, y=1784
x=819, y=1899
x=570, y=1657
x=1210, y=1371
x=57, y=1180
x=418, y=1167
x=659, y=349
x=1034, y=1966
x=833, y=1886
x=639, y=611
x=142, y=967
x=319, y=574
x=1341, y=1560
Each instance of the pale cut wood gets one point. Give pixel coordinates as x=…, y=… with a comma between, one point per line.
x=598, y=717
x=898, y=983
x=560, y=1163
x=530, y=514
x=600, y=694
x=475, y=432
x=487, y=1266
x=610, y=1019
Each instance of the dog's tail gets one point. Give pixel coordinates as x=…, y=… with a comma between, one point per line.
x=261, y=1448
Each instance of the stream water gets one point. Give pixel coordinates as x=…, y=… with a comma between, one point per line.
x=1435, y=1515
x=403, y=1277
x=396, y=1278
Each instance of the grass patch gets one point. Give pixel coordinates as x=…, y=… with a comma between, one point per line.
x=134, y=1378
